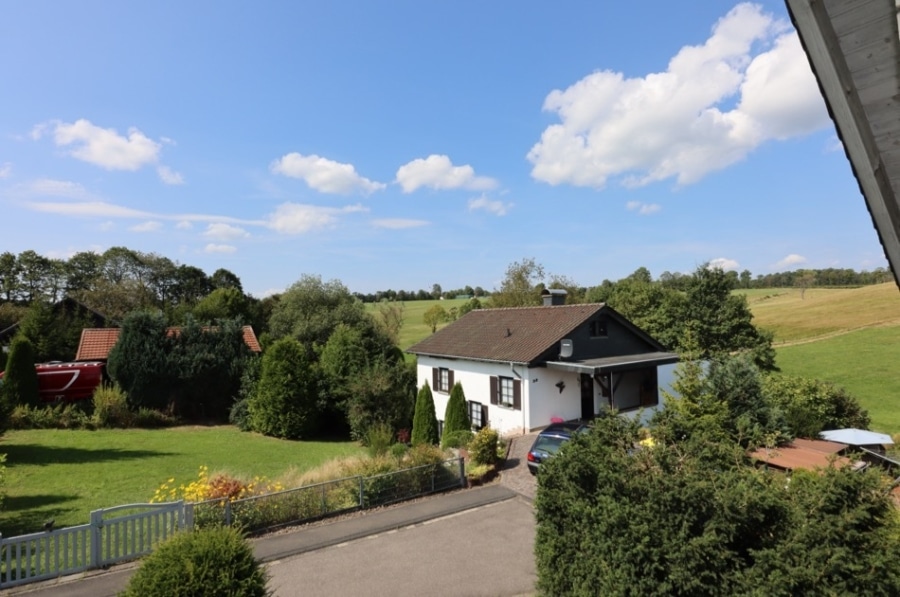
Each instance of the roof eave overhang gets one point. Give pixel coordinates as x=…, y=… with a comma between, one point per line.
x=841, y=92
x=464, y=358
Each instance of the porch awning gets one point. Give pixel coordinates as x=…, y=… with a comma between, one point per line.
x=617, y=363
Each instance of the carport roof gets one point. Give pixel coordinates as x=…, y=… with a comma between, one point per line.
x=616, y=363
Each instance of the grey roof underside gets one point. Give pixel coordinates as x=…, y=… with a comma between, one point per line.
x=854, y=50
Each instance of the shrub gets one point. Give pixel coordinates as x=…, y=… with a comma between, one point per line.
x=149, y=418
x=398, y=451
x=455, y=416
x=216, y=561
x=378, y=439
x=425, y=429
x=61, y=416
x=110, y=407
x=484, y=446
x=457, y=439
x=20, y=382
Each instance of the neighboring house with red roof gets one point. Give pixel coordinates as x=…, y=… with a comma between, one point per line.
x=522, y=368
x=97, y=342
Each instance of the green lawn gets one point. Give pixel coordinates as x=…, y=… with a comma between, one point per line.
x=64, y=474
x=864, y=362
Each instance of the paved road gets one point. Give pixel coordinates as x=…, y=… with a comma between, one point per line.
x=484, y=551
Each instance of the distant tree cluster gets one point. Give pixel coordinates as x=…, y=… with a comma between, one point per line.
x=435, y=293
x=119, y=281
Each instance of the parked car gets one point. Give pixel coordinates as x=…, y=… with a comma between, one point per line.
x=550, y=440
x=68, y=382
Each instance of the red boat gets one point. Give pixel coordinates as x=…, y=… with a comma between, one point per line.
x=69, y=382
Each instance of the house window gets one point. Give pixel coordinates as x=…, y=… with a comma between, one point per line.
x=442, y=379
x=476, y=415
x=598, y=328
x=506, y=391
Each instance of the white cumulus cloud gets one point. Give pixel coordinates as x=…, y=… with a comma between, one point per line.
x=103, y=147
x=169, y=176
x=792, y=259
x=438, y=172
x=222, y=231
x=644, y=209
x=714, y=104
x=297, y=218
x=214, y=248
x=5, y=170
x=324, y=175
x=184, y=225
x=398, y=223
x=494, y=206
x=723, y=264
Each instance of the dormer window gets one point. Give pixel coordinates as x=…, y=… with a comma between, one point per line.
x=599, y=328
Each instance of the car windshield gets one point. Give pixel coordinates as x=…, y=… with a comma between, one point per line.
x=548, y=443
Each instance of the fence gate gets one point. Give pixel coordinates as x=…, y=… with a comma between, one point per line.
x=106, y=540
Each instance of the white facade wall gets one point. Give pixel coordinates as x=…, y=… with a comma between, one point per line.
x=541, y=399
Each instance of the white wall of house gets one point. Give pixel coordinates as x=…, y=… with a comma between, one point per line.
x=548, y=402
x=541, y=399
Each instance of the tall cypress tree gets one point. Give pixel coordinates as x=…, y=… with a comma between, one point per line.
x=20, y=381
x=425, y=428
x=455, y=417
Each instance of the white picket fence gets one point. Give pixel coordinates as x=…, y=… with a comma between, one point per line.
x=104, y=541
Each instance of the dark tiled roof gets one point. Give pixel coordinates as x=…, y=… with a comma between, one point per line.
x=519, y=335
x=97, y=342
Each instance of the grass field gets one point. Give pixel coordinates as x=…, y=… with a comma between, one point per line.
x=63, y=474
x=822, y=312
x=863, y=362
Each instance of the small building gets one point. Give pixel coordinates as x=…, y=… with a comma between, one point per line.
x=523, y=368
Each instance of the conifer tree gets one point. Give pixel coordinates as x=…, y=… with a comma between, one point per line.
x=425, y=428
x=20, y=381
x=455, y=416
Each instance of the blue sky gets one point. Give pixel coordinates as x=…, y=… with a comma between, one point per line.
x=400, y=144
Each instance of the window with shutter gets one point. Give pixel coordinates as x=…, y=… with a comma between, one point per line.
x=494, y=392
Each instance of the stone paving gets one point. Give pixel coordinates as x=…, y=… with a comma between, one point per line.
x=514, y=473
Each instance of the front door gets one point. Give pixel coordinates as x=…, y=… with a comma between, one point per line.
x=587, y=397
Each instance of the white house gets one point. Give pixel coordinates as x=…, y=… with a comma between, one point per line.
x=522, y=368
